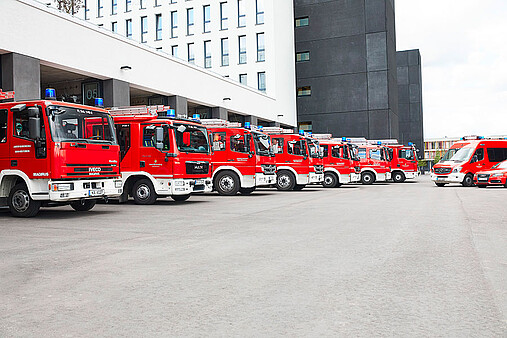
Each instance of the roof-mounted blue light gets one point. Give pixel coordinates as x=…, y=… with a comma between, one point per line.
x=344, y=139
x=348, y=140
x=301, y=132
x=171, y=113
x=260, y=128
x=379, y=143
x=247, y=125
x=50, y=94
x=99, y=102
x=196, y=117
x=410, y=144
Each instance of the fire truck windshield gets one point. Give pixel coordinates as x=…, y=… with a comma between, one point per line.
x=70, y=124
x=262, y=146
x=462, y=155
x=191, y=139
x=407, y=154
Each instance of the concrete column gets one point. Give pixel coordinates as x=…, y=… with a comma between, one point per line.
x=179, y=104
x=21, y=73
x=252, y=119
x=219, y=113
x=116, y=93
x=274, y=124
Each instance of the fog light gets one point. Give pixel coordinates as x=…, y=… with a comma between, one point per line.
x=117, y=183
x=63, y=186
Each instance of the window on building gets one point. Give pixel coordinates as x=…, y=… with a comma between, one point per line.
x=100, y=7
x=223, y=16
x=306, y=126
x=242, y=49
x=207, y=18
x=128, y=28
x=87, y=10
x=144, y=28
x=190, y=21
x=173, y=1
x=225, y=51
x=157, y=3
x=301, y=22
x=243, y=79
x=219, y=142
x=190, y=50
x=259, y=6
x=158, y=26
x=142, y=4
x=304, y=91
x=128, y=5
x=114, y=27
x=114, y=7
x=207, y=54
x=302, y=56
x=241, y=13
x=261, y=81
x=261, y=49
x=174, y=24
x=174, y=50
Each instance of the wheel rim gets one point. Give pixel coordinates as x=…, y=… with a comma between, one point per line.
x=21, y=201
x=143, y=192
x=468, y=180
x=328, y=180
x=397, y=177
x=226, y=183
x=284, y=181
x=367, y=178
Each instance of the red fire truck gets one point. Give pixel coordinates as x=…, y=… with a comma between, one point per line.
x=161, y=155
x=475, y=155
x=242, y=157
x=403, y=162
x=375, y=163
x=298, y=160
x=340, y=164
x=55, y=153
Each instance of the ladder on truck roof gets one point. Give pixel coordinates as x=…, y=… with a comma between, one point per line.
x=277, y=130
x=137, y=110
x=220, y=123
x=6, y=95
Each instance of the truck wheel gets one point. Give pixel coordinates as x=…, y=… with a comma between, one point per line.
x=83, y=205
x=180, y=198
x=440, y=184
x=144, y=192
x=398, y=177
x=227, y=183
x=367, y=178
x=285, y=180
x=330, y=180
x=20, y=202
x=299, y=187
x=246, y=191
x=468, y=181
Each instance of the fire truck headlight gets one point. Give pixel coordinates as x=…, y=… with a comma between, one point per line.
x=456, y=170
x=62, y=186
x=117, y=184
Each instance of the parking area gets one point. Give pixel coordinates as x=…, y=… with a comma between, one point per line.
x=405, y=259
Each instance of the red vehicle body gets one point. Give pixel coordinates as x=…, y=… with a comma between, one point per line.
x=403, y=162
x=242, y=158
x=161, y=156
x=472, y=157
x=375, y=163
x=340, y=163
x=298, y=161
x=497, y=175
x=54, y=153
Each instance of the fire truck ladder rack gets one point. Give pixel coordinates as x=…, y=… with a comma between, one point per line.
x=138, y=110
x=6, y=95
x=386, y=142
x=323, y=136
x=277, y=130
x=220, y=123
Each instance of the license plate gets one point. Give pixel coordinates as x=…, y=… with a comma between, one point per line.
x=199, y=182
x=482, y=179
x=97, y=192
x=440, y=178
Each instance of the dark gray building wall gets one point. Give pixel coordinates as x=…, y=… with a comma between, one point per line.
x=179, y=104
x=116, y=93
x=21, y=74
x=352, y=67
x=410, y=98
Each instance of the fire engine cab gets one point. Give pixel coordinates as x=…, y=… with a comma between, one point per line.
x=375, y=162
x=242, y=157
x=161, y=155
x=403, y=162
x=55, y=153
x=296, y=162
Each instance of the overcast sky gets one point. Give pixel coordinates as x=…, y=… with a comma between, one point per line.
x=463, y=46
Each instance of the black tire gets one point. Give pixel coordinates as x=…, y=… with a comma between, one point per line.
x=180, y=198
x=330, y=180
x=227, y=183
x=440, y=184
x=468, y=181
x=481, y=185
x=285, y=180
x=367, y=178
x=83, y=205
x=299, y=187
x=144, y=192
x=246, y=191
x=20, y=202
x=398, y=177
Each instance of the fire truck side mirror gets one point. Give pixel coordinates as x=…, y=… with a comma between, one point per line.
x=159, y=138
x=34, y=123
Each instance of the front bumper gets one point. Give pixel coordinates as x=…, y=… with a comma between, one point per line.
x=412, y=174
x=85, y=189
x=313, y=177
x=449, y=178
x=264, y=179
x=491, y=181
x=355, y=177
x=183, y=186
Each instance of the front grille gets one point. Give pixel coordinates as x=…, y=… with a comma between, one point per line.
x=197, y=167
x=269, y=169
x=482, y=177
x=443, y=171
x=199, y=187
x=92, y=169
x=319, y=168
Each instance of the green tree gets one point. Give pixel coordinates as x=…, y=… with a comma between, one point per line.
x=69, y=6
x=438, y=155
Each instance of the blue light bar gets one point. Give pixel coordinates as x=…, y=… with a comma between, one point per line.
x=196, y=117
x=410, y=144
x=50, y=94
x=171, y=113
x=260, y=128
x=344, y=139
x=99, y=102
x=301, y=132
x=247, y=125
x=379, y=143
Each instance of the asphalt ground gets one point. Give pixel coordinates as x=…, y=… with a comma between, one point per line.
x=405, y=259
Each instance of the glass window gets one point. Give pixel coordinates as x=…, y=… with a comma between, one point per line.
x=261, y=49
x=87, y=10
x=207, y=18
x=375, y=154
x=243, y=79
x=304, y=91
x=157, y=3
x=190, y=50
x=302, y=56
x=123, y=136
x=142, y=4
x=240, y=143
x=3, y=125
x=158, y=26
x=407, y=154
x=223, y=16
x=301, y=22
x=173, y=1
x=100, y=7
x=225, y=51
x=191, y=139
x=207, y=54
x=114, y=7
x=149, y=133
x=497, y=154
x=479, y=155
x=336, y=152
x=190, y=21
x=20, y=123
x=128, y=5
x=174, y=50
x=174, y=24
x=262, y=144
x=361, y=152
x=242, y=49
x=261, y=81
x=114, y=27
x=219, y=141
x=277, y=145
x=325, y=150
x=296, y=148
x=128, y=28
x=259, y=5
x=144, y=28
x=241, y=13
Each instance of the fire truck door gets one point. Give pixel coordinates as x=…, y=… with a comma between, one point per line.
x=152, y=160
x=477, y=161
